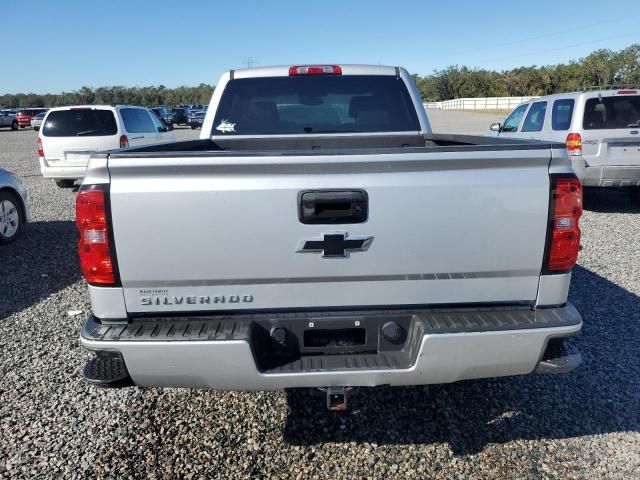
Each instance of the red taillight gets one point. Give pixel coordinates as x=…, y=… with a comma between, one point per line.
x=40, y=149
x=627, y=92
x=94, y=245
x=124, y=141
x=564, y=231
x=574, y=144
x=315, y=70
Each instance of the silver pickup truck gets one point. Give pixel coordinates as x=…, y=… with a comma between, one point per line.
x=319, y=235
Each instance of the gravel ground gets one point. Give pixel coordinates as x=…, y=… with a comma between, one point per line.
x=449, y=121
x=582, y=425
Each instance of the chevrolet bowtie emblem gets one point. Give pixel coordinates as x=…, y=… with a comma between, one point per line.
x=335, y=244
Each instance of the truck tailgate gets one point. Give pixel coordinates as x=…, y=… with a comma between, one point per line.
x=221, y=232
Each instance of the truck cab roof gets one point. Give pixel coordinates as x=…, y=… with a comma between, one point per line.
x=283, y=70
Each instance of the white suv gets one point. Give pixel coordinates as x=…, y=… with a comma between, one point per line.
x=601, y=129
x=69, y=134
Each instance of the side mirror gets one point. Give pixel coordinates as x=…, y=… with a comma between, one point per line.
x=495, y=127
x=170, y=126
x=163, y=129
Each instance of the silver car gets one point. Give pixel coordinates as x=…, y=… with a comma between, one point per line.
x=36, y=121
x=8, y=119
x=13, y=207
x=196, y=118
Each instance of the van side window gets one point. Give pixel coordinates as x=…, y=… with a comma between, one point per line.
x=137, y=120
x=535, y=117
x=561, y=114
x=513, y=120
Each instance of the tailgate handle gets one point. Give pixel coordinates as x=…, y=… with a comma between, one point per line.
x=329, y=207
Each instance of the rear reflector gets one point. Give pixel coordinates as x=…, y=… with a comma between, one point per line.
x=315, y=70
x=124, y=141
x=40, y=149
x=94, y=247
x=574, y=144
x=563, y=237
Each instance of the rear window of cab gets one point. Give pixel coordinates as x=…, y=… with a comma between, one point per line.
x=315, y=104
x=81, y=122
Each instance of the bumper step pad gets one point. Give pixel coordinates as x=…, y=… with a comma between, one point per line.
x=107, y=370
x=559, y=357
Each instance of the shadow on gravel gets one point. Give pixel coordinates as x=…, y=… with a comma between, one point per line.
x=606, y=200
x=41, y=262
x=601, y=396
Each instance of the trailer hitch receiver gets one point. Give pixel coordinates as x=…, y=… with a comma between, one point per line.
x=337, y=399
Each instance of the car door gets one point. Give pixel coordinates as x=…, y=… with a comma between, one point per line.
x=513, y=121
x=163, y=134
x=561, y=118
x=139, y=126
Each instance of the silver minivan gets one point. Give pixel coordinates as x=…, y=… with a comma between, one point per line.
x=601, y=129
x=69, y=135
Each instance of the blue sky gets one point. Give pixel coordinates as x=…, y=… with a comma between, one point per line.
x=71, y=43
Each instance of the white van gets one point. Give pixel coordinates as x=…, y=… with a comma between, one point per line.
x=69, y=134
x=601, y=129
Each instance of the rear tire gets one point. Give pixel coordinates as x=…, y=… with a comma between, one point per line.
x=193, y=127
x=66, y=183
x=11, y=217
x=14, y=125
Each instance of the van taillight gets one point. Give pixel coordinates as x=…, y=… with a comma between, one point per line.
x=40, y=149
x=124, y=141
x=563, y=236
x=574, y=144
x=96, y=256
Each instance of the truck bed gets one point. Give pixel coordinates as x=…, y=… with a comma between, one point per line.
x=331, y=144
x=459, y=220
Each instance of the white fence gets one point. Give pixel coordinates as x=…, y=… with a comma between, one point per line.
x=487, y=103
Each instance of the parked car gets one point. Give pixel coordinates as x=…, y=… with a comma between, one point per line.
x=601, y=129
x=196, y=118
x=194, y=106
x=319, y=235
x=164, y=114
x=13, y=207
x=36, y=121
x=70, y=134
x=180, y=115
x=8, y=119
x=25, y=115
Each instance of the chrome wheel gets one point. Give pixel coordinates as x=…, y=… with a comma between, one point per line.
x=9, y=219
